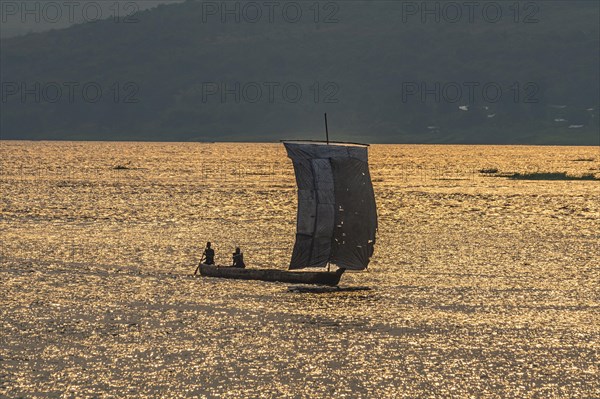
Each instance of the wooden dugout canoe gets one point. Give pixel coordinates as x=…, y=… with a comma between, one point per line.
x=283, y=276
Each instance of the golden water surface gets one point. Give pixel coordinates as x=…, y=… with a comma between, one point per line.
x=480, y=286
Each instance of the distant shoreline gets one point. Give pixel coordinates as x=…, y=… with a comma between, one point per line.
x=278, y=142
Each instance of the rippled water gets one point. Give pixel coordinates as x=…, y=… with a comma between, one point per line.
x=480, y=285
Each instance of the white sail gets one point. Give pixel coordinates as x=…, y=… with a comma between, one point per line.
x=337, y=215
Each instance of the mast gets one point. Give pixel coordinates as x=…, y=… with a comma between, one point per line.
x=327, y=138
x=326, y=129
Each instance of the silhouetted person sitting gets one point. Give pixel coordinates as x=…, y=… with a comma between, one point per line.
x=238, y=258
x=208, y=256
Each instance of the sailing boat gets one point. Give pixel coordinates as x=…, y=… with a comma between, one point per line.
x=336, y=219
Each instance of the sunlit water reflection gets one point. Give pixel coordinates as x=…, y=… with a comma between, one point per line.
x=480, y=285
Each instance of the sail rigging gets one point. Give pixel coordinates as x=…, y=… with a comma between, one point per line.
x=337, y=214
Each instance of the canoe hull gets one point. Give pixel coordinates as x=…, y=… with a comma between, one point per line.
x=321, y=278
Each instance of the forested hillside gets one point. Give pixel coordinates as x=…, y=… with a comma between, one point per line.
x=382, y=71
